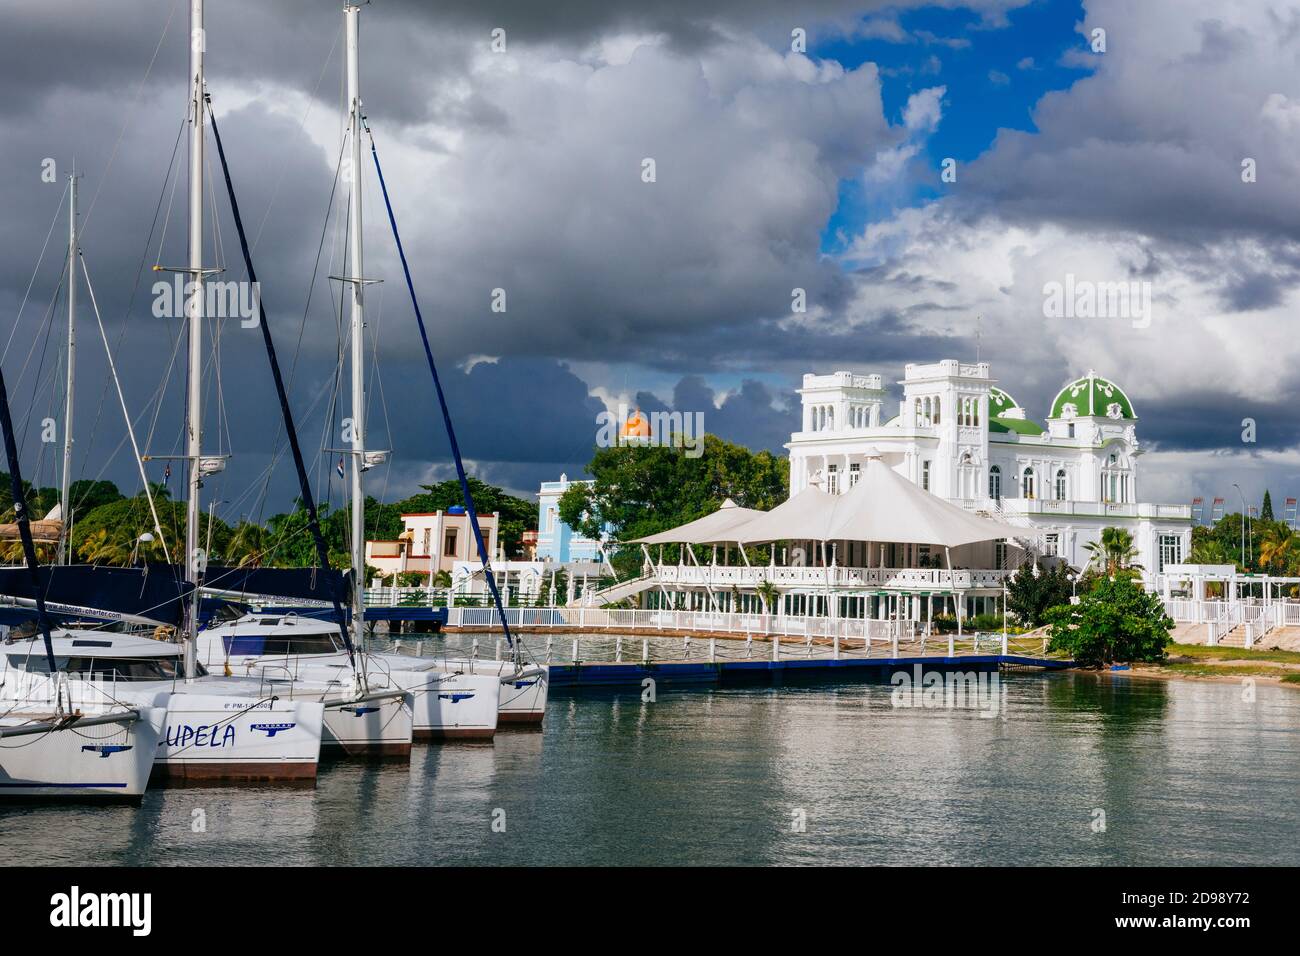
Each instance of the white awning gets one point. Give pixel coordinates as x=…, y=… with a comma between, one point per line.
x=712, y=528
x=885, y=506
x=806, y=516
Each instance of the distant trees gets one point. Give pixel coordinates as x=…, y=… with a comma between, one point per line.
x=107, y=526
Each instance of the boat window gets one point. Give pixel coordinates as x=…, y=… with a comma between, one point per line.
x=126, y=668
x=257, y=645
x=270, y=622
x=34, y=663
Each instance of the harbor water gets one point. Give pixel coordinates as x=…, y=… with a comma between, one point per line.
x=1070, y=768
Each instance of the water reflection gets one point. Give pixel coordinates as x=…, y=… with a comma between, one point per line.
x=1184, y=772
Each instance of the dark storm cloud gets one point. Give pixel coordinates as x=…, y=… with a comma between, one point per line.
x=1207, y=421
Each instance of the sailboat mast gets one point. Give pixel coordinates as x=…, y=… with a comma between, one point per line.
x=65, y=506
x=194, y=314
x=356, y=272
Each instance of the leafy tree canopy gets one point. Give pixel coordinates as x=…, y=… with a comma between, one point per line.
x=640, y=489
x=1033, y=591
x=1116, y=621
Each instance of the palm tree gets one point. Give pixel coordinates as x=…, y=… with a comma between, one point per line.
x=1278, y=548
x=1114, y=551
x=247, y=545
x=100, y=548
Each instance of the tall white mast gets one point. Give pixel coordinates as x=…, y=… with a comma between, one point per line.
x=194, y=313
x=355, y=274
x=65, y=506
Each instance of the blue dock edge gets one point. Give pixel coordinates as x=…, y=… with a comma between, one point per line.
x=607, y=674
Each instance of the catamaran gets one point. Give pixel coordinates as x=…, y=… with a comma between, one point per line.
x=60, y=736
x=258, y=640
x=216, y=729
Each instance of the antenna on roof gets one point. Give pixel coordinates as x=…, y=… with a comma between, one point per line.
x=977, y=337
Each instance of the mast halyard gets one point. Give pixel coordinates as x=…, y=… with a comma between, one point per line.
x=65, y=505
x=355, y=278
x=194, y=315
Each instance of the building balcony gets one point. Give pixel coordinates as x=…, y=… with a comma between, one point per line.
x=1046, y=507
x=835, y=578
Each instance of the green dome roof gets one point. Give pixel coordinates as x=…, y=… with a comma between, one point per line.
x=1000, y=402
x=1092, y=396
x=1021, y=426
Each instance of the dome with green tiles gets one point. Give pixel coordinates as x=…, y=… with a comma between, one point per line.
x=1000, y=402
x=1092, y=396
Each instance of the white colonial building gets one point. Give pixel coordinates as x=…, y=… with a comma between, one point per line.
x=959, y=435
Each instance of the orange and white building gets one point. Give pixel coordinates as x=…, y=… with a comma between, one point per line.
x=433, y=541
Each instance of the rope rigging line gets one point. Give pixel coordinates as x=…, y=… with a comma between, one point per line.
x=126, y=415
x=484, y=557
x=32, y=281
x=322, y=553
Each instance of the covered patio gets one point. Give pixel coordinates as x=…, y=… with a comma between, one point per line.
x=885, y=550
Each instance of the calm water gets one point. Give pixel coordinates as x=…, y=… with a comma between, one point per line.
x=1187, y=773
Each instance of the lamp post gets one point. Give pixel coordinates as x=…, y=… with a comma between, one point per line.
x=1243, y=522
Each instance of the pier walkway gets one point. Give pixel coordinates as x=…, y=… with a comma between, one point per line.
x=620, y=656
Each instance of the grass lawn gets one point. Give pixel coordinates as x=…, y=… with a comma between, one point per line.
x=1197, y=660
x=1201, y=652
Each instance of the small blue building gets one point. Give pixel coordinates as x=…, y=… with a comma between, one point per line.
x=556, y=541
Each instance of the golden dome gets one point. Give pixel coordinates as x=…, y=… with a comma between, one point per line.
x=637, y=426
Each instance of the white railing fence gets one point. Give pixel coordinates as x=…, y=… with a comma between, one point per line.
x=790, y=636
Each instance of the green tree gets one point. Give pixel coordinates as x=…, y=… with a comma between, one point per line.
x=1034, y=590
x=640, y=489
x=1266, y=509
x=1117, y=621
x=1115, y=551
x=86, y=495
x=122, y=522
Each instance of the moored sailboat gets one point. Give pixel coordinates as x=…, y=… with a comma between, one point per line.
x=62, y=737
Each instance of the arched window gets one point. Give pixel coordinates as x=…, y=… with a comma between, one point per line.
x=1060, y=485
x=1114, y=480
x=936, y=411
x=995, y=483
x=917, y=411
x=1027, y=489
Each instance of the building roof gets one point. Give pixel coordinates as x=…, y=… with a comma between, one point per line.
x=1020, y=426
x=1092, y=396
x=882, y=506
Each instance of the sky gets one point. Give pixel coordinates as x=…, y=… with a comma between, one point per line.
x=795, y=146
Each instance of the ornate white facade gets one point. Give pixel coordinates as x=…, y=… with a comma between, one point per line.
x=960, y=436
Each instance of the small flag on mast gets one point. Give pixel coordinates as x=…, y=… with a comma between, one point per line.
x=167, y=473
x=339, y=467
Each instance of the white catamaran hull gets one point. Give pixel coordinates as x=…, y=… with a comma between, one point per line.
x=214, y=737
x=442, y=706
x=375, y=725
x=104, y=761
x=523, y=698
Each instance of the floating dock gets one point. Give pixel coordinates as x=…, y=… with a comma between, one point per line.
x=718, y=673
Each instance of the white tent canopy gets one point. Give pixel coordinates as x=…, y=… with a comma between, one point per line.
x=711, y=528
x=883, y=506
x=806, y=516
